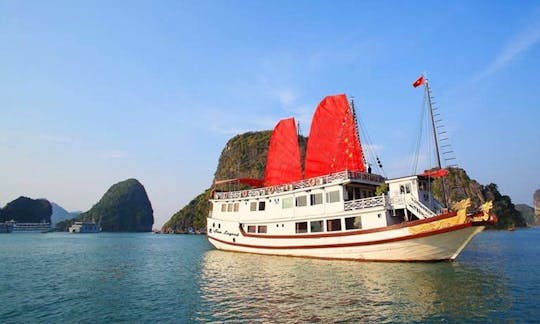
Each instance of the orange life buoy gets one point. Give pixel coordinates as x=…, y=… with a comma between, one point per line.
x=311, y=182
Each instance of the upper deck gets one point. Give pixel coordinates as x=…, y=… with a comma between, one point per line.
x=339, y=177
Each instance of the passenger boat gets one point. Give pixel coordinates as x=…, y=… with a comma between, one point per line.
x=336, y=208
x=84, y=227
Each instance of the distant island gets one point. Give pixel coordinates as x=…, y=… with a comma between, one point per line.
x=60, y=214
x=27, y=210
x=244, y=156
x=125, y=207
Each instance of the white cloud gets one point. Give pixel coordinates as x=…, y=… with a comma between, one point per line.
x=518, y=44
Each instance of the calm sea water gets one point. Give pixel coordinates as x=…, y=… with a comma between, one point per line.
x=106, y=277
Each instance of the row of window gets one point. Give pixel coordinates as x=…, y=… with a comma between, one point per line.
x=230, y=207
x=289, y=202
x=317, y=226
x=314, y=199
x=332, y=225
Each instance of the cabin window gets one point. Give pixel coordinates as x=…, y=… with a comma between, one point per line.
x=301, y=227
x=287, y=202
x=401, y=189
x=333, y=225
x=253, y=206
x=236, y=206
x=353, y=223
x=251, y=229
x=316, y=226
x=230, y=207
x=223, y=207
x=262, y=204
x=301, y=201
x=408, y=188
x=315, y=199
x=261, y=229
x=357, y=193
x=332, y=196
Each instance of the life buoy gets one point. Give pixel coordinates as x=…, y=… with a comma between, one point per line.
x=244, y=193
x=311, y=182
x=271, y=190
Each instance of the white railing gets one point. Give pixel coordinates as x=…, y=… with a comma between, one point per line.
x=364, y=203
x=413, y=205
x=418, y=208
x=306, y=183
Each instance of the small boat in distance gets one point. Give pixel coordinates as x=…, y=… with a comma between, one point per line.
x=336, y=208
x=84, y=227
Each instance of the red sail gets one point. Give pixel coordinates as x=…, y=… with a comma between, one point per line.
x=333, y=143
x=283, y=161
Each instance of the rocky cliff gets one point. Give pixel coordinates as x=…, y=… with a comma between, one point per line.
x=458, y=186
x=27, y=210
x=125, y=207
x=527, y=212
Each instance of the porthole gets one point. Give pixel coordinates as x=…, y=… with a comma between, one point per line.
x=218, y=225
x=379, y=215
x=234, y=240
x=213, y=224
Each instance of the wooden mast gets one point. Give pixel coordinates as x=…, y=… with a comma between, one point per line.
x=430, y=106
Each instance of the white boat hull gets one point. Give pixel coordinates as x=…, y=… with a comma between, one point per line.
x=387, y=245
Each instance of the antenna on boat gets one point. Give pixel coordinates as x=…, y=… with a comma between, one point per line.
x=435, y=138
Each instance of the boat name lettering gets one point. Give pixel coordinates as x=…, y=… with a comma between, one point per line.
x=231, y=234
x=217, y=231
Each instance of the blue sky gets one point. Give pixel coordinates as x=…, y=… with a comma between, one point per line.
x=95, y=92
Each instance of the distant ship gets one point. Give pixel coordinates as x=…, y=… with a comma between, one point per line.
x=332, y=211
x=84, y=227
x=17, y=227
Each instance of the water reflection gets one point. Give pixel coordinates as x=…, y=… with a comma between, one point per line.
x=247, y=287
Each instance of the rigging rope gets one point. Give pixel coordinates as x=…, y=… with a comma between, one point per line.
x=370, y=148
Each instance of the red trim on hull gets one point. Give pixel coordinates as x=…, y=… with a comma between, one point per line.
x=325, y=246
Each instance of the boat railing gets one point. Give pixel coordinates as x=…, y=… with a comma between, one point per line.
x=370, y=202
x=306, y=183
x=413, y=205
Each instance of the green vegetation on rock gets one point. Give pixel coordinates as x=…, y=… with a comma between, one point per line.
x=459, y=186
x=27, y=210
x=193, y=215
x=125, y=207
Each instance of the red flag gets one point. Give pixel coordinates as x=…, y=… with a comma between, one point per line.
x=418, y=82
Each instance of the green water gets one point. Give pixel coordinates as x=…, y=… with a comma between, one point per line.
x=106, y=277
